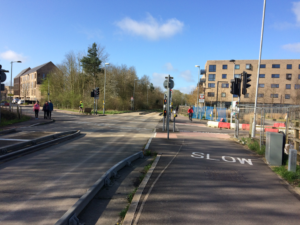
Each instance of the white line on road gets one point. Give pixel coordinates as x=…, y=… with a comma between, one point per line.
x=4, y=139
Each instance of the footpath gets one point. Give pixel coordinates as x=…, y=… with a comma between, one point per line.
x=206, y=178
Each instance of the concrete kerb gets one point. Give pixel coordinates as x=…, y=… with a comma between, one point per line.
x=37, y=146
x=7, y=131
x=39, y=124
x=75, y=210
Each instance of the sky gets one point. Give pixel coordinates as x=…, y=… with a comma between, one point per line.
x=156, y=37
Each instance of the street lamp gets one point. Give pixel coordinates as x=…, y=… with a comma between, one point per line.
x=134, y=92
x=147, y=94
x=11, y=81
x=104, y=89
x=198, y=91
x=233, y=61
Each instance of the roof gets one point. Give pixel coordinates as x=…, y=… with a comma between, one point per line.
x=36, y=68
x=22, y=72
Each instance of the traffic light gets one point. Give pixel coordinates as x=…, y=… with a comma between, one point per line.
x=97, y=92
x=235, y=87
x=165, y=112
x=232, y=87
x=246, y=80
x=165, y=101
x=92, y=94
x=2, y=77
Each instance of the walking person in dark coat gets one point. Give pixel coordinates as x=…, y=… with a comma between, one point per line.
x=50, y=109
x=45, y=109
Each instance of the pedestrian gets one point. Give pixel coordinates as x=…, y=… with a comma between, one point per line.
x=36, y=109
x=50, y=109
x=190, y=112
x=81, y=106
x=45, y=109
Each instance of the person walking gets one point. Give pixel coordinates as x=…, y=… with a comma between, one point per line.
x=50, y=109
x=36, y=109
x=45, y=109
x=190, y=112
x=81, y=106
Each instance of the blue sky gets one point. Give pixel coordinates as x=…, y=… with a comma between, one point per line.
x=156, y=37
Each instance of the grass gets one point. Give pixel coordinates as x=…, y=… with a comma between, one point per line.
x=254, y=145
x=292, y=177
x=5, y=122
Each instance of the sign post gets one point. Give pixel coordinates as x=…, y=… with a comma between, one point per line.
x=168, y=84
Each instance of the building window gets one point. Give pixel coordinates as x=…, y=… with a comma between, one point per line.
x=287, y=96
x=248, y=66
x=289, y=76
x=224, y=76
x=211, y=94
x=297, y=86
x=235, y=96
x=43, y=76
x=261, y=85
x=212, y=68
x=275, y=75
x=246, y=95
x=276, y=66
x=287, y=86
x=237, y=76
x=237, y=67
x=224, y=67
x=260, y=95
x=274, y=95
x=225, y=85
x=289, y=66
x=261, y=75
x=211, y=77
x=299, y=76
x=299, y=67
x=274, y=85
x=263, y=66
x=211, y=85
x=223, y=94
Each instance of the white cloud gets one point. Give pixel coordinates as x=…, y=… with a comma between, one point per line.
x=292, y=47
x=187, y=75
x=10, y=55
x=169, y=67
x=286, y=25
x=151, y=28
x=158, y=79
x=296, y=10
x=188, y=89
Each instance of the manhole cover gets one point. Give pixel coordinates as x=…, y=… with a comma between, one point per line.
x=225, y=175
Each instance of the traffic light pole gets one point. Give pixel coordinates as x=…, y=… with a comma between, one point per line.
x=168, y=106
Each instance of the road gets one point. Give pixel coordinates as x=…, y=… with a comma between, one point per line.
x=40, y=187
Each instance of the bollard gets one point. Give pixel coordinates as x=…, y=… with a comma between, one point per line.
x=174, y=123
x=292, y=160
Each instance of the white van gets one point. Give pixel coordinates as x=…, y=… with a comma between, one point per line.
x=15, y=100
x=20, y=102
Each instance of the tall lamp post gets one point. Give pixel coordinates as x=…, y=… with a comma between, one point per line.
x=198, y=81
x=233, y=61
x=104, y=89
x=147, y=94
x=134, y=92
x=11, y=81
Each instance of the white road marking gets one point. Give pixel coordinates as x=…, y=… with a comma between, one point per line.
x=5, y=139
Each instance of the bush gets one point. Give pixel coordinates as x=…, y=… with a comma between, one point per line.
x=254, y=145
x=292, y=177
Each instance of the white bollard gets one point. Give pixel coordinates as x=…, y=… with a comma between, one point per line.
x=292, y=160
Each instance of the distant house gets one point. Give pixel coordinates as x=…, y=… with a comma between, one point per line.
x=27, y=82
x=4, y=94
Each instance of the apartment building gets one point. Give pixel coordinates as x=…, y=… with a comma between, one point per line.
x=27, y=82
x=279, y=81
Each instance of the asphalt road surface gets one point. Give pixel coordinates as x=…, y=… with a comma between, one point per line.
x=40, y=187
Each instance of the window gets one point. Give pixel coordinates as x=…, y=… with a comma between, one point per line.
x=235, y=96
x=211, y=77
x=212, y=68
x=237, y=75
x=260, y=95
x=274, y=85
x=262, y=65
x=225, y=85
x=261, y=85
x=299, y=76
x=237, y=67
x=211, y=85
x=287, y=96
x=224, y=67
x=43, y=76
x=275, y=75
x=289, y=66
x=299, y=67
x=261, y=75
x=287, y=86
x=246, y=95
x=224, y=76
x=223, y=94
x=276, y=66
x=297, y=86
x=274, y=95
x=248, y=66
x=211, y=94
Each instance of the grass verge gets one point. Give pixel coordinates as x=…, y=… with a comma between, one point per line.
x=254, y=145
x=292, y=177
x=5, y=122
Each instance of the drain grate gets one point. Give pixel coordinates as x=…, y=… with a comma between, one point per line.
x=225, y=175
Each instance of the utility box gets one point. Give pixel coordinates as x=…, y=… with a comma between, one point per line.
x=274, y=149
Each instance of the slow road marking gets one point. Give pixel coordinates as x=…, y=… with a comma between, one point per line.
x=228, y=159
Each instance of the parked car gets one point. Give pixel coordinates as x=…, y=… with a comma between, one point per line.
x=20, y=102
x=4, y=103
x=15, y=100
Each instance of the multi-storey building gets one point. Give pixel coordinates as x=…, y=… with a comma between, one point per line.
x=27, y=82
x=279, y=81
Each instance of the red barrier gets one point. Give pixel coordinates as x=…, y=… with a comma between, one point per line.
x=271, y=130
x=245, y=126
x=224, y=125
x=279, y=125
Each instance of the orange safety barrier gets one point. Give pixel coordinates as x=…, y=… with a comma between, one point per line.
x=271, y=130
x=245, y=126
x=224, y=125
x=279, y=125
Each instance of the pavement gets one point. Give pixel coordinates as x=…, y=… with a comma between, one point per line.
x=205, y=178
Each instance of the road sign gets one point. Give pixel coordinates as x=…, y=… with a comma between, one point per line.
x=171, y=84
x=202, y=96
x=201, y=100
x=10, y=95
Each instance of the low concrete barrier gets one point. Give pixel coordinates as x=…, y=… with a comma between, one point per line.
x=76, y=209
x=212, y=124
x=271, y=130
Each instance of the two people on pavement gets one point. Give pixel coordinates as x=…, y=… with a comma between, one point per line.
x=190, y=112
x=48, y=108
